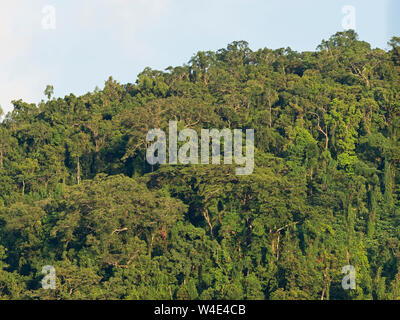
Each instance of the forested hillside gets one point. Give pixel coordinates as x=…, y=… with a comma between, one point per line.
x=77, y=193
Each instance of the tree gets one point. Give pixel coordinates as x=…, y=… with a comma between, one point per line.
x=49, y=91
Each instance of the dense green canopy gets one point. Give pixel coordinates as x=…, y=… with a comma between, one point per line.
x=77, y=193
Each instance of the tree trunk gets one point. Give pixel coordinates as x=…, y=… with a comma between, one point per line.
x=78, y=172
x=150, y=239
x=270, y=115
x=207, y=217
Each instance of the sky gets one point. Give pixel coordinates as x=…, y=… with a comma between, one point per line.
x=76, y=45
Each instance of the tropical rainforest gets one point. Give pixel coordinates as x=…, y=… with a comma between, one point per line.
x=77, y=193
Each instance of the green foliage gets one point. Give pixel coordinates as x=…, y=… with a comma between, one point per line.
x=76, y=192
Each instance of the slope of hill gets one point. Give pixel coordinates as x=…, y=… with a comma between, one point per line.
x=76, y=192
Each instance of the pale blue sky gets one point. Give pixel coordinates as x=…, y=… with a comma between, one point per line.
x=94, y=39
